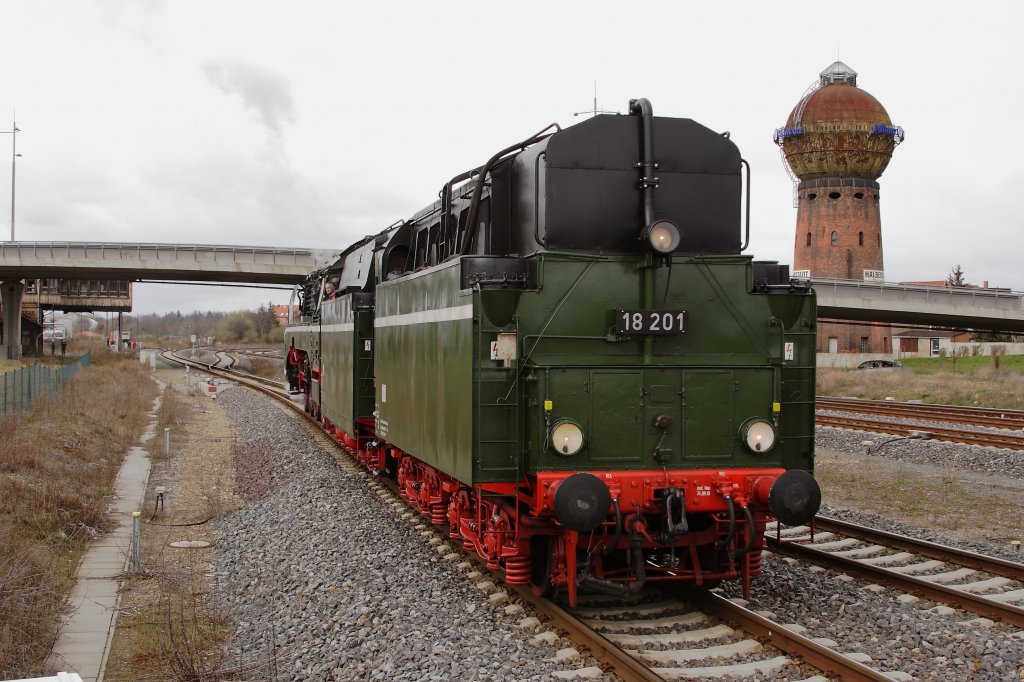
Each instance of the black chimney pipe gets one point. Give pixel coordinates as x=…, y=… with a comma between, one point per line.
x=648, y=182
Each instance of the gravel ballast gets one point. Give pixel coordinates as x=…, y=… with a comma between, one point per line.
x=899, y=632
x=910, y=636
x=957, y=456
x=322, y=576
x=324, y=581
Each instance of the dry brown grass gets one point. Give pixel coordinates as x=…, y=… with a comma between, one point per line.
x=948, y=501
x=986, y=387
x=268, y=368
x=58, y=463
x=942, y=501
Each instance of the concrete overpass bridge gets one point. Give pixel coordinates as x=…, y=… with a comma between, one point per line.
x=901, y=304
x=997, y=310
x=183, y=262
x=128, y=262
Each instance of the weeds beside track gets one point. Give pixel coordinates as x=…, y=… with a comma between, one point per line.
x=58, y=464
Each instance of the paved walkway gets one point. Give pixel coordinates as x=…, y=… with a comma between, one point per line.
x=84, y=639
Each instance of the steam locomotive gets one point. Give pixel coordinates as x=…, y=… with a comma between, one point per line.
x=568, y=360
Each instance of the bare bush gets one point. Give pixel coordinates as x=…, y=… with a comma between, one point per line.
x=958, y=352
x=29, y=604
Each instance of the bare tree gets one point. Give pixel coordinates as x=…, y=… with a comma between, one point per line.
x=264, y=321
x=956, y=277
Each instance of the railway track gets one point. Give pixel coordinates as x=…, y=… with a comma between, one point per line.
x=687, y=633
x=224, y=366
x=990, y=587
x=705, y=636
x=1008, y=440
x=976, y=416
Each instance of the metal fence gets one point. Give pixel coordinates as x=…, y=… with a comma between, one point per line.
x=23, y=387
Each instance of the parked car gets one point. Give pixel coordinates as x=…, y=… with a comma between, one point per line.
x=878, y=364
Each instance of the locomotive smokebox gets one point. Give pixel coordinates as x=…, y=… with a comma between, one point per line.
x=795, y=497
x=581, y=502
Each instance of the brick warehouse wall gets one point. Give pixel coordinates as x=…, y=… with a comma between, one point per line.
x=840, y=218
x=850, y=338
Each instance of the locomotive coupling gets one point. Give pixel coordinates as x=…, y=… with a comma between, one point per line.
x=794, y=497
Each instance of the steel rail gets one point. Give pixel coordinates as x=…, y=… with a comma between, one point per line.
x=624, y=665
x=821, y=657
x=227, y=373
x=1010, y=441
x=907, y=583
x=961, y=557
x=267, y=386
x=979, y=416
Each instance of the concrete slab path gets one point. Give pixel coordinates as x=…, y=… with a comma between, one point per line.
x=84, y=640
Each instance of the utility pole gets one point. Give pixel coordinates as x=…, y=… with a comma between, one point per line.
x=13, y=132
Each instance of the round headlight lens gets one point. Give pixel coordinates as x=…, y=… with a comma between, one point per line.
x=663, y=236
x=759, y=435
x=566, y=438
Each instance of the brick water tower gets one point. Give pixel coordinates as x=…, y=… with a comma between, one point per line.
x=837, y=141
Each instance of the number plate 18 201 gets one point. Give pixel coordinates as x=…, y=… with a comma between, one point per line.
x=650, y=321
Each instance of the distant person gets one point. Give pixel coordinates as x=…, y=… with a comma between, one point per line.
x=329, y=291
x=292, y=368
x=63, y=347
x=53, y=347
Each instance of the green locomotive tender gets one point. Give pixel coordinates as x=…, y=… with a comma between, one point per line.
x=569, y=360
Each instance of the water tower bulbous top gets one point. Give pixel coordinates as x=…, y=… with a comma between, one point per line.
x=838, y=130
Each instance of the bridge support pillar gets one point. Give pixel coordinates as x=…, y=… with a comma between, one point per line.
x=10, y=299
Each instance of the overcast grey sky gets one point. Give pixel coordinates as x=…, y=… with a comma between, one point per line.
x=314, y=123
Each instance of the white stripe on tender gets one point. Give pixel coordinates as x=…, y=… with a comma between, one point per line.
x=460, y=312
x=339, y=327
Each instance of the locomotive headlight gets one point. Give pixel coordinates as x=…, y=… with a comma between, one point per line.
x=758, y=435
x=663, y=236
x=566, y=437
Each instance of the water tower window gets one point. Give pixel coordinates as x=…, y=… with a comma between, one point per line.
x=835, y=238
x=858, y=195
x=834, y=195
x=812, y=196
x=860, y=238
x=808, y=239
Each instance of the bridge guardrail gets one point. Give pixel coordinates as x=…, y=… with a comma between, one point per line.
x=156, y=251
x=21, y=388
x=968, y=295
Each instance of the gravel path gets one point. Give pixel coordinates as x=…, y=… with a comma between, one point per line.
x=319, y=573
